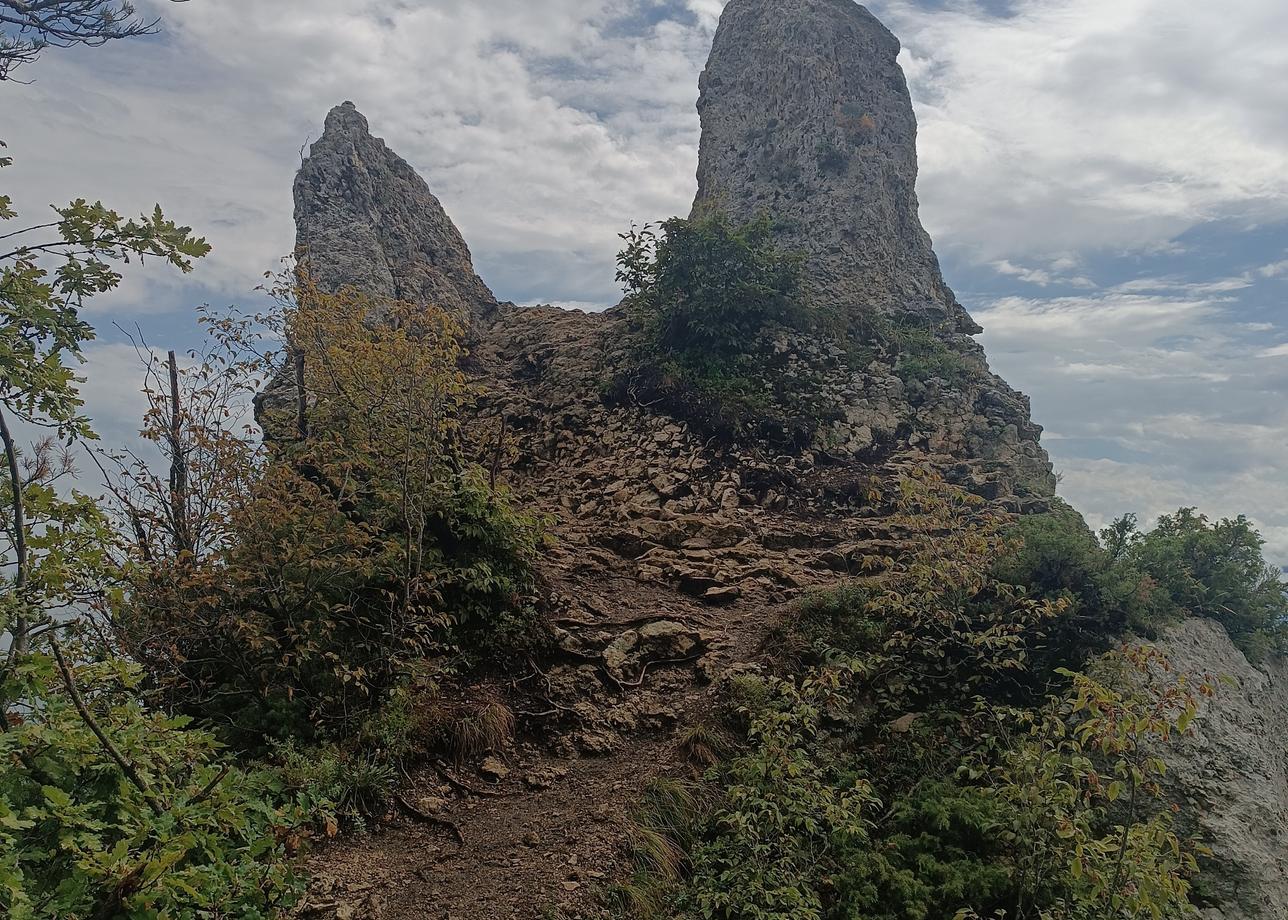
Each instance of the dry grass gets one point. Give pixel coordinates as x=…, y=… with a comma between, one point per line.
x=702, y=746
x=661, y=834
x=488, y=728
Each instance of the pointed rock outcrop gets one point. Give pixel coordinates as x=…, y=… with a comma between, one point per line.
x=365, y=219
x=806, y=117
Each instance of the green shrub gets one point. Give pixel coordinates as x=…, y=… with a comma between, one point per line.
x=1128, y=579
x=1212, y=569
x=1057, y=557
x=915, y=767
x=787, y=811
x=922, y=355
x=334, y=788
x=840, y=618
x=938, y=850
x=189, y=836
x=706, y=288
x=705, y=297
x=365, y=546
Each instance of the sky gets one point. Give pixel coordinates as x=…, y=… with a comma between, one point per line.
x=1106, y=182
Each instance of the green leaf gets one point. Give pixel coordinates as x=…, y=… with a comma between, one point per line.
x=56, y=797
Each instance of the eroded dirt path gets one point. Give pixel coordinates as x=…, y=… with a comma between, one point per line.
x=526, y=854
x=546, y=838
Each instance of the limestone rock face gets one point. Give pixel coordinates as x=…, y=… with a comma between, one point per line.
x=806, y=117
x=364, y=218
x=1231, y=776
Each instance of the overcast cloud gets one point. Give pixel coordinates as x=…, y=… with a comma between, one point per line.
x=1106, y=182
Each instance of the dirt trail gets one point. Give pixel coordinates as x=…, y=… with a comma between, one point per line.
x=669, y=561
x=527, y=853
x=548, y=837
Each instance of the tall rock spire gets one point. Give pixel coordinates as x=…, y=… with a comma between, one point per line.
x=365, y=219
x=806, y=117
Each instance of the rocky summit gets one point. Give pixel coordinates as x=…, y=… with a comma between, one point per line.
x=806, y=117
x=365, y=219
x=672, y=551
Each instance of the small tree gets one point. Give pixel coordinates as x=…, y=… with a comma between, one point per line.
x=1089, y=833
x=106, y=809
x=41, y=340
x=333, y=564
x=198, y=418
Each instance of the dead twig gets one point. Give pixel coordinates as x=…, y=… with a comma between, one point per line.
x=211, y=786
x=648, y=664
x=417, y=815
x=462, y=786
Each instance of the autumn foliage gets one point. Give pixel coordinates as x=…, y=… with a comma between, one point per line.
x=350, y=554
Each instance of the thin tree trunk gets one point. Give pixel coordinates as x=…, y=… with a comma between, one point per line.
x=178, y=466
x=22, y=623
x=301, y=398
x=496, y=457
x=130, y=771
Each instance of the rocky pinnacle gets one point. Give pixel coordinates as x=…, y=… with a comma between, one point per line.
x=806, y=118
x=365, y=219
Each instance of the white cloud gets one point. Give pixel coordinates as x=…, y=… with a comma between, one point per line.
x=1031, y=275
x=1106, y=489
x=1159, y=400
x=1095, y=123
x=543, y=129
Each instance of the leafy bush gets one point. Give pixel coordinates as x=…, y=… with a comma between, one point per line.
x=938, y=850
x=704, y=297
x=1088, y=828
x=922, y=355
x=1186, y=566
x=157, y=825
x=1057, y=557
x=107, y=809
x=915, y=766
x=333, y=788
x=787, y=813
x=1212, y=569
x=938, y=623
x=365, y=546
x=706, y=288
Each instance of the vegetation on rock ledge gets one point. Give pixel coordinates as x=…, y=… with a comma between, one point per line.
x=706, y=298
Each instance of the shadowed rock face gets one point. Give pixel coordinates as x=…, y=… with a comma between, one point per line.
x=806, y=117
x=365, y=219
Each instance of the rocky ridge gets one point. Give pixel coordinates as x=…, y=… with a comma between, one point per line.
x=673, y=554
x=806, y=117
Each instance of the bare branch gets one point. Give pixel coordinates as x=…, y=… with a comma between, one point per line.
x=34, y=25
